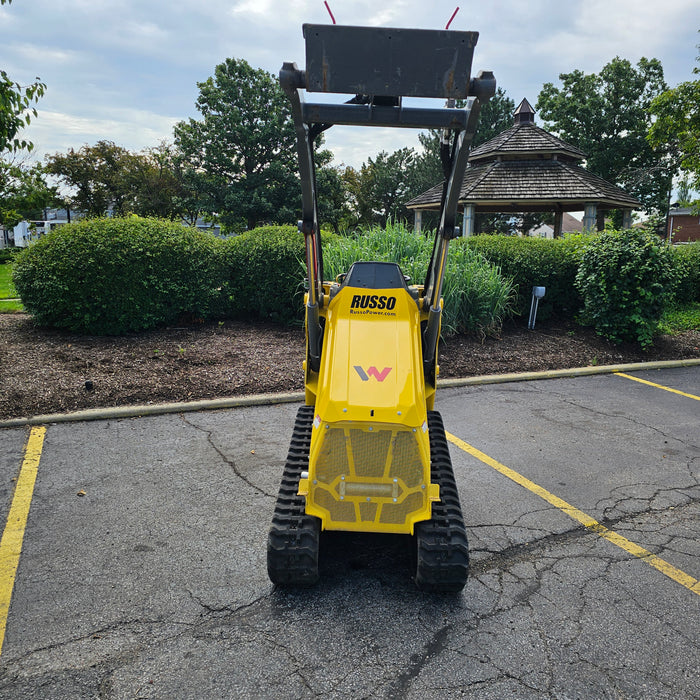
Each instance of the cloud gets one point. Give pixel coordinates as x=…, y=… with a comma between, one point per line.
x=253, y=7
x=26, y=53
x=133, y=66
x=353, y=145
x=132, y=128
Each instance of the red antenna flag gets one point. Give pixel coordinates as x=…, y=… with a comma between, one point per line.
x=448, y=24
x=325, y=2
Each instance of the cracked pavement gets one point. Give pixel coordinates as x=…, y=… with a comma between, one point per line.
x=153, y=584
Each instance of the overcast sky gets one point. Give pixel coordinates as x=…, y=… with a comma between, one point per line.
x=127, y=71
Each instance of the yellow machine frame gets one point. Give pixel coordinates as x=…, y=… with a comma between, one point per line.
x=369, y=462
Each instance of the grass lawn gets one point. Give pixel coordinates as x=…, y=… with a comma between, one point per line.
x=10, y=307
x=7, y=291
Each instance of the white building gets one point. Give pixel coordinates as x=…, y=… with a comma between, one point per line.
x=27, y=232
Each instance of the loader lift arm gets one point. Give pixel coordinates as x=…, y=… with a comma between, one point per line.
x=381, y=73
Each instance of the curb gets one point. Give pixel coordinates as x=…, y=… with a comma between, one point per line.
x=563, y=373
x=298, y=396
x=154, y=409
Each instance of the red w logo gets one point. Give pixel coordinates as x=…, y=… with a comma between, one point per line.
x=372, y=372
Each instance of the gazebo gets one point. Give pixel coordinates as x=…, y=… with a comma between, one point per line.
x=526, y=169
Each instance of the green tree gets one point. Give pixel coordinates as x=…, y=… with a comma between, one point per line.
x=677, y=127
x=101, y=177
x=158, y=188
x=16, y=109
x=241, y=155
x=108, y=177
x=495, y=116
x=380, y=188
x=24, y=193
x=685, y=192
x=606, y=115
x=333, y=198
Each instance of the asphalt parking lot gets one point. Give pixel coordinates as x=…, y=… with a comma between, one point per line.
x=142, y=572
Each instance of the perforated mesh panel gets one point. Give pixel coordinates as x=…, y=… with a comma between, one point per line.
x=352, y=464
x=370, y=451
x=396, y=513
x=333, y=458
x=406, y=463
x=340, y=511
x=368, y=511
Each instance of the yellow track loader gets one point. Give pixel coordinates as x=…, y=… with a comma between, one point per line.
x=368, y=452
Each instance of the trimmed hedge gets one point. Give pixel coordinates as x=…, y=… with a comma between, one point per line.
x=537, y=262
x=116, y=276
x=626, y=278
x=687, y=262
x=264, y=274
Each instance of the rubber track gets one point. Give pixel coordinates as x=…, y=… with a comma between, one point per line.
x=442, y=551
x=293, y=542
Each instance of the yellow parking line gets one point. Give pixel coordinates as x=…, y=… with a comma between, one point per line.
x=587, y=521
x=658, y=386
x=13, y=535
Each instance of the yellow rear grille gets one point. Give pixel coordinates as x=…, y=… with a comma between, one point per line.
x=396, y=514
x=369, y=475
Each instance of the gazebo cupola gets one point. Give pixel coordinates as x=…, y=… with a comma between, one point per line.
x=524, y=114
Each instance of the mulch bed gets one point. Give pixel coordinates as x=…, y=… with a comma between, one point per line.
x=47, y=371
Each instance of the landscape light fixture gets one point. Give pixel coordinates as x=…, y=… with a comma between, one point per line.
x=537, y=294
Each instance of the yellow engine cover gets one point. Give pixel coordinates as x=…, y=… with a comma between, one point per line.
x=369, y=462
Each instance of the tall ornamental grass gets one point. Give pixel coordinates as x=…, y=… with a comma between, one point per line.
x=687, y=262
x=477, y=297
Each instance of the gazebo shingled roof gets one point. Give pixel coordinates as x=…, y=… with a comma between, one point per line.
x=525, y=138
x=507, y=186
x=525, y=168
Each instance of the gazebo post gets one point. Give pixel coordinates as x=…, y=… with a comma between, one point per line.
x=600, y=220
x=417, y=220
x=626, y=218
x=558, y=218
x=589, y=217
x=468, y=221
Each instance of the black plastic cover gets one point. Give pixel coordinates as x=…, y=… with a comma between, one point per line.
x=375, y=275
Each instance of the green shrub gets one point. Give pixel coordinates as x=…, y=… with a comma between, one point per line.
x=115, y=276
x=477, y=297
x=264, y=274
x=537, y=262
x=626, y=278
x=687, y=260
